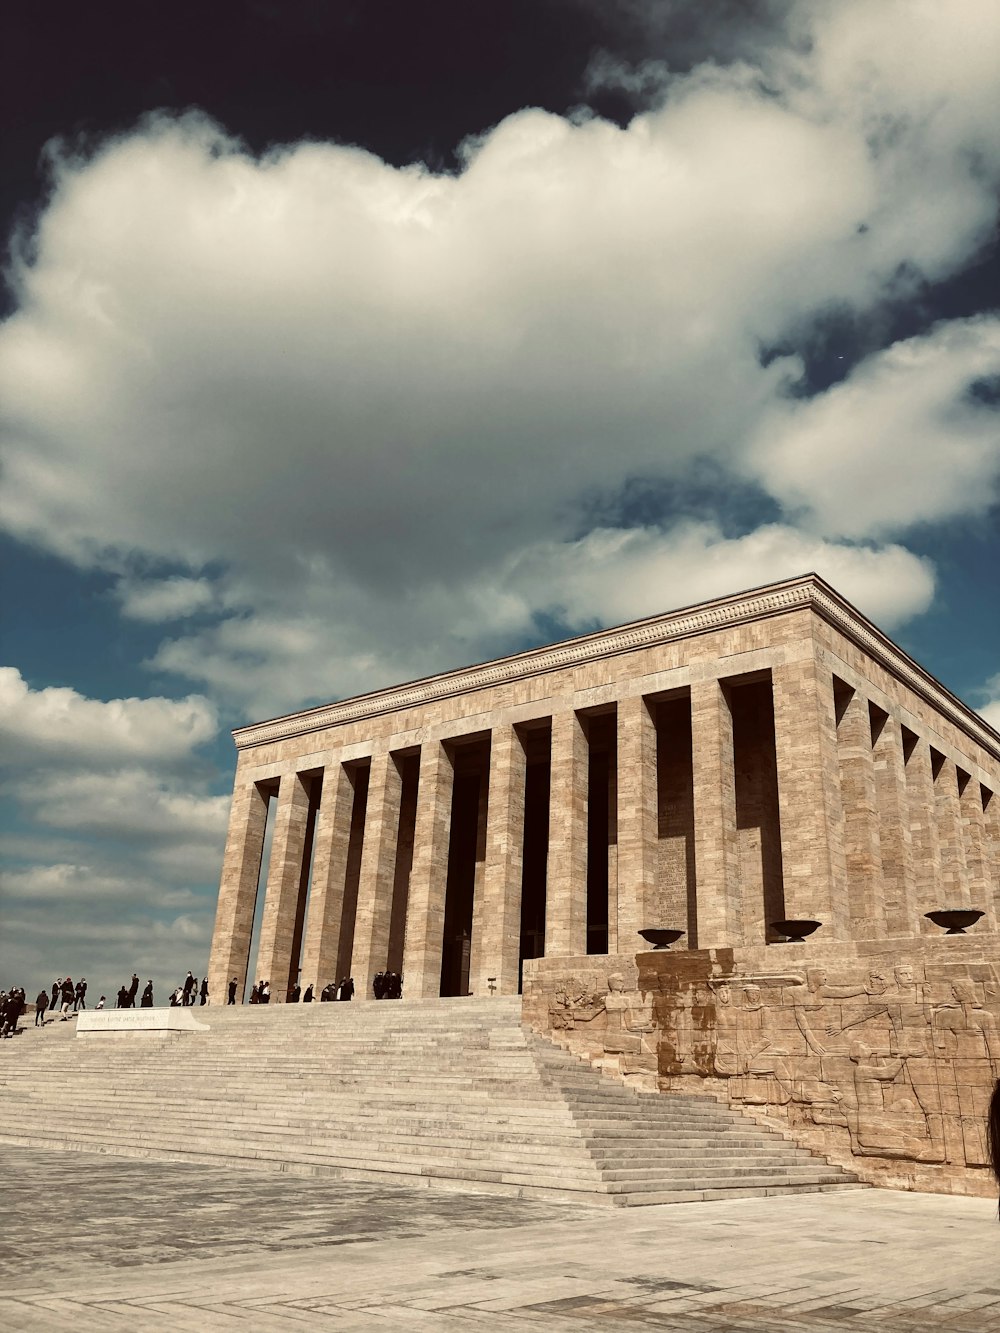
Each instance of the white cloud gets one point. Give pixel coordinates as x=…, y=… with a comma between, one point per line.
x=314, y=368
x=119, y=829
x=901, y=440
x=990, y=710
x=617, y=575
x=165, y=599
x=58, y=725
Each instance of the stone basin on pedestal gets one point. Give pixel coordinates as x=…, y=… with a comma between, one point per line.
x=660, y=938
x=795, y=931
x=953, y=920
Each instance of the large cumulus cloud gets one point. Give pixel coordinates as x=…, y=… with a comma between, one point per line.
x=335, y=410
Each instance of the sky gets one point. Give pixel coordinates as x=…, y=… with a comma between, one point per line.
x=345, y=343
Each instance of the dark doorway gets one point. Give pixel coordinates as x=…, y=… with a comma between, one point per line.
x=602, y=746
x=757, y=819
x=409, y=771
x=466, y=849
x=538, y=771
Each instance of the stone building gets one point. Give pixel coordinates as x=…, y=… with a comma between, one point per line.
x=758, y=757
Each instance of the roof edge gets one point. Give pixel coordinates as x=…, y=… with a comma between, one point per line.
x=807, y=590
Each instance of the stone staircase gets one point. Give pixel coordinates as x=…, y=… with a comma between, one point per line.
x=447, y=1093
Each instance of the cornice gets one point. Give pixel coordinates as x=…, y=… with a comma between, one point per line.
x=809, y=591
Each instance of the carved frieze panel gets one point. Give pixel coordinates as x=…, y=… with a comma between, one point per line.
x=901, y=1059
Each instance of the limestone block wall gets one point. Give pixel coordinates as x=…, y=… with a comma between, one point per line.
x=881, y=1059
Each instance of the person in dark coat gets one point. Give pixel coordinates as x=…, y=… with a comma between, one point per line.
x=56, y=993
x=189, y=985
x=993, y=1132
x=80, y=998
x=122, y=998
x=41, y=1004
x=232, y=990
x=147, y=996
x=204, y=990
x=68, y=992
x=293, y=993
x=308, y=996
x=133, y=990
x=347, y=989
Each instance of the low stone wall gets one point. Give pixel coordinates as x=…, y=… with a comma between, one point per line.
x=881, y=1056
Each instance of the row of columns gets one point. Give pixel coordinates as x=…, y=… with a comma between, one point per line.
x=855, y=813
x=920, y=832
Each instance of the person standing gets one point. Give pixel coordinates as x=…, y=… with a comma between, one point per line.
x=133, y=990
x=294, y=992
x=80, y=1000
x=265, y=992
x=56, y=995
x=68, y=992
x=41, y=1004
x=147, y=995
x=347, y=989
x=189, y=986
x=204, y=990
x=232, y=990
x=308, y=997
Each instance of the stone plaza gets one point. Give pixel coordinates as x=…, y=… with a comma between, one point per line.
x=160, y=1247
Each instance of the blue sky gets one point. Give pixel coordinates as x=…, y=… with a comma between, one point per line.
x=342, y=347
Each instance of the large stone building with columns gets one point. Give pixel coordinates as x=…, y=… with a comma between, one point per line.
x=758, y=757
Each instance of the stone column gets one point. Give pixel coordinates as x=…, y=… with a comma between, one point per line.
x=422, y=949
x=924, y=834
x=991, y=819
x=861, y=823
x=566, y=877
x=284, y=882
x=814, y=869
x=238, y=892
x=974, y=846
x=497, y=924
x=326, y=899
x=895, y=839
x=378, y=874
x=613, y=895
x=637, y=822
x=716, y=852
x=954, y=883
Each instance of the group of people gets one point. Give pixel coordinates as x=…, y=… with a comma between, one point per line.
x=11, y=1009
x=337, y=990
x=386, y=986
x=188, y=994
x=66, y=997
x=333, y=990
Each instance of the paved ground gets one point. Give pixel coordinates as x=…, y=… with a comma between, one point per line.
x=95, y=1243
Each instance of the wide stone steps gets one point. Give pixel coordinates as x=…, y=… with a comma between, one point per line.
x=452, y=1094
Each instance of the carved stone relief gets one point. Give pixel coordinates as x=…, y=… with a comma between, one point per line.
x=615, y=1024
x=888, y=1064
x=905, y=1064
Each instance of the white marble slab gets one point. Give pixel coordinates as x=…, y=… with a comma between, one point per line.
x=124, y=1022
